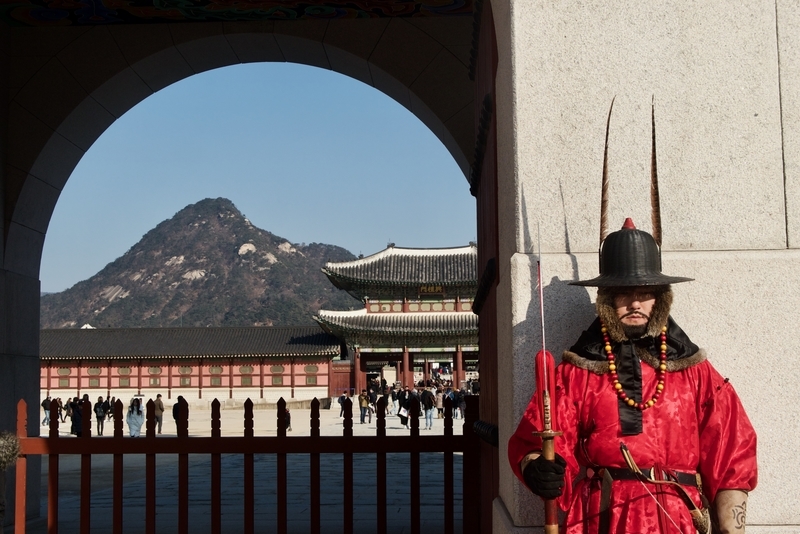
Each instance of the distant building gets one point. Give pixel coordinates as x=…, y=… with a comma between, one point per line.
x=417, y=312
x=198, y=363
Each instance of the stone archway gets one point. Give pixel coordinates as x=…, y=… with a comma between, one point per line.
x=65, y=85
x=77, y=82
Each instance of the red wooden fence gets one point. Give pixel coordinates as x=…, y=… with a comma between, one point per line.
x=248, y=445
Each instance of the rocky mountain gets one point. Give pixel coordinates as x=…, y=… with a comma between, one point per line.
x=206, y=266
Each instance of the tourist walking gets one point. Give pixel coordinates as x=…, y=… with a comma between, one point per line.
x=342, y=398
x=439, y=404
x=76, y=417
x=159, y=411
x=100, y=414
x=404, y=401
x=46, y=406
x=363, y=403
x=393, y=400
x=428, y=401
x=135, y=418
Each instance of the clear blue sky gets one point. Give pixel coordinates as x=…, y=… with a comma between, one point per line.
x=305, y=153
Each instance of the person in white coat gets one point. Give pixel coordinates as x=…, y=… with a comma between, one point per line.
x=135, y=418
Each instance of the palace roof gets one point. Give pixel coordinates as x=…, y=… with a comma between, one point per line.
x=401, y=329
x=400, y=272
x=220, y=342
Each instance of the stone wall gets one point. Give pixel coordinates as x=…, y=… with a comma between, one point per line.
x=724, y=79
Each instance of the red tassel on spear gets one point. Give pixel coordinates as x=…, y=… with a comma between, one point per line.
x=545, y=368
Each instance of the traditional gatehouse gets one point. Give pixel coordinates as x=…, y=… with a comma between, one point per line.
x=417, y=312
x=260, y=363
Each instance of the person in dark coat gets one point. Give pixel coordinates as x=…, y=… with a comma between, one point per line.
x=100, y=414
x=176, y=409
x=404, y=401
x=342, y=398
x=76, y=412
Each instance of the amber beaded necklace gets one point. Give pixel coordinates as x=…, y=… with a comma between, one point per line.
x=612, y=371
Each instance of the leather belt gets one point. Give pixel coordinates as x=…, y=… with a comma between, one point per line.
x=617, y=473
x=607, y=475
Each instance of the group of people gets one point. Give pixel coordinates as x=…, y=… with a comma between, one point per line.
x=398, y=401
x=104, y=409
x=66, y=410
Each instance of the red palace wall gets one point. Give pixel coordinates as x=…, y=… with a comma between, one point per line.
x=221, y=379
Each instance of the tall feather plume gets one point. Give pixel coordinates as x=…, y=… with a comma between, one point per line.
x=604, y=189
x=655, y=200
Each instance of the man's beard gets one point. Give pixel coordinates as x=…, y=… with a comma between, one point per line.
x=634, y=331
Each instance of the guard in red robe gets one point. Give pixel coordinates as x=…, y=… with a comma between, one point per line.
x=635, y=382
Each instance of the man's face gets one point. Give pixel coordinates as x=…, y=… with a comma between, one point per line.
x=634, y=305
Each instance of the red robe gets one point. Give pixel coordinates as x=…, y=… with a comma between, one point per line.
x=697, y=425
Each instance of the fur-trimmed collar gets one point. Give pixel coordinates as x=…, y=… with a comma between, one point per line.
x=600, y=367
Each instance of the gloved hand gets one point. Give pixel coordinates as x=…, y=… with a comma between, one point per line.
x=545, y=478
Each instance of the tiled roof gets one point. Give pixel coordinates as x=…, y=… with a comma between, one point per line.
x=408, y=324
x=409, y=266
x=104, y=343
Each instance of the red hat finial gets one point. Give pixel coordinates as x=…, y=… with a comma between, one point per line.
x=628, y=224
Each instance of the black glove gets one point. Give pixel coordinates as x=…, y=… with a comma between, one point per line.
x=545, y=478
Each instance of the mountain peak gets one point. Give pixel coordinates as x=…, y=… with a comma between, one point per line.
x=205, y=266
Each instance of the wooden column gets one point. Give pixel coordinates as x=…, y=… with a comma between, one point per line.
x=139, y=379
x=230, y=379
x=49, y=373
x=458, y=368
x=331, y=393
x=169, y=378
x=80, y=376
x=408, y=369
x=291, y=377
x=360, y=374
x=108, y=380
x=200, y=379
x=261, y=377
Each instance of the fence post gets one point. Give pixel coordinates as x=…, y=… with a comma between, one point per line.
x=22, y=471
x=150, y=469
x=118, y=475
x=380, y=431
x=52, y=474
x=347, y=466
x=282, y=476
x=413, y=414
x=216, y=471
x=183, y=469
x=472, y=461
x=314, y=468
x=449, y=483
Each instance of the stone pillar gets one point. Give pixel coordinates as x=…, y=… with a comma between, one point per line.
x=19, y=358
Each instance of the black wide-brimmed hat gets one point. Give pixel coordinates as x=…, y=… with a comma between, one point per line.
x=629, y=258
